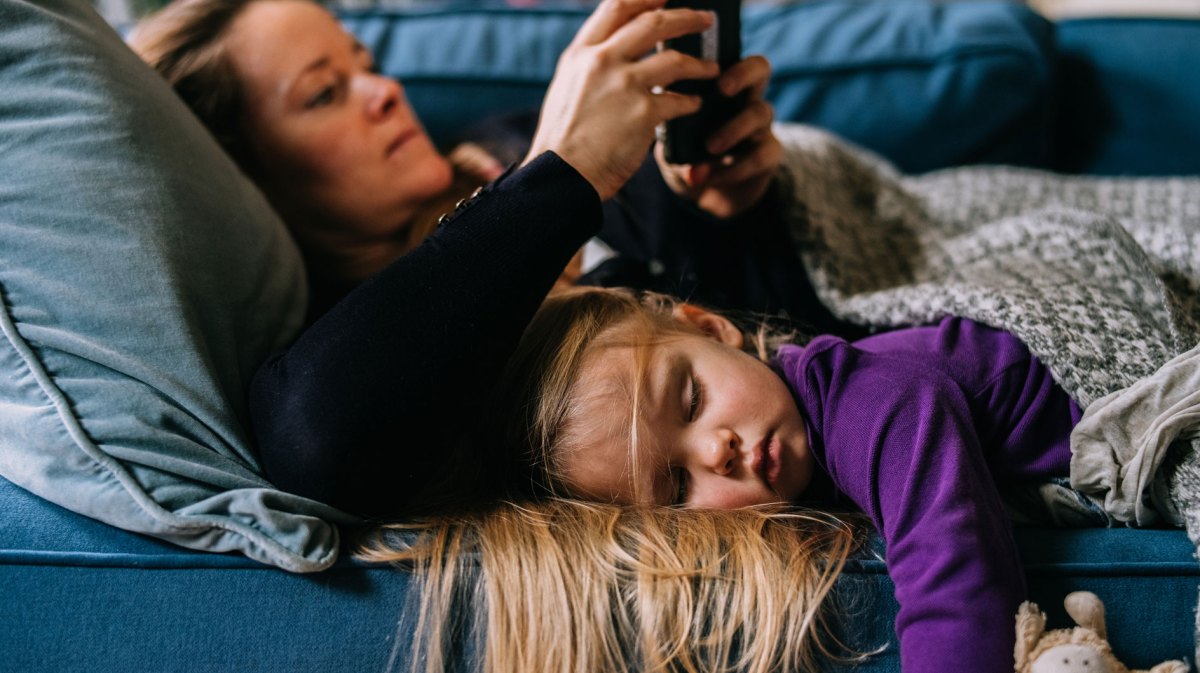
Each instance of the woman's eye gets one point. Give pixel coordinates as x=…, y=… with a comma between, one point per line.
x=323, y=97
x=694, y=398
x=681, y=486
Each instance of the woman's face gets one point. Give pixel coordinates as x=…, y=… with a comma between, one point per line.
x=336, y=146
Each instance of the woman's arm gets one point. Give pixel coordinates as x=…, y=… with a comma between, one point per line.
x=367, y=406
x=369, y=409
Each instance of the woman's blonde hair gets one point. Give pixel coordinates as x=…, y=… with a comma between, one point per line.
x=562, y=585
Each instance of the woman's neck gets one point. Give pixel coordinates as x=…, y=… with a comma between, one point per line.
x=339, y=263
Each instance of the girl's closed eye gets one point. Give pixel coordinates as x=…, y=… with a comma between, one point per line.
x=681, y=486
x=695, y=398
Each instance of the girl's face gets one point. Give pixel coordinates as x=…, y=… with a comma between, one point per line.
x=336, y=146
x=716, y=428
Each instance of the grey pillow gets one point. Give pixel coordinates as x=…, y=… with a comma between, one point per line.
x=142, y=279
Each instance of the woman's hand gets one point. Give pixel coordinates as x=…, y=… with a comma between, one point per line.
x=749, y=152
x=600, y=111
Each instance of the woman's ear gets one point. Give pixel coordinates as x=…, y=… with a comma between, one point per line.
x=714, y=325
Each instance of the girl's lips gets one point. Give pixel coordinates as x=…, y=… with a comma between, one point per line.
x=767, y=463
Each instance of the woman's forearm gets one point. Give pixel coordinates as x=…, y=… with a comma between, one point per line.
x=364, y=408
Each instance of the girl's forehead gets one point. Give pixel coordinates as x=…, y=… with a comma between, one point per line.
x=611, y=437
x=607, y=383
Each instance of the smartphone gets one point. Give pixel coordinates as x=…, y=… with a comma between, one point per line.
x=683, y=138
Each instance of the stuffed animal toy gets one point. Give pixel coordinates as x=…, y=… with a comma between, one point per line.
x=1083, y=649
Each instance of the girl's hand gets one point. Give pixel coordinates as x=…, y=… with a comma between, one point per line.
x=749, y=152
x=600, y=111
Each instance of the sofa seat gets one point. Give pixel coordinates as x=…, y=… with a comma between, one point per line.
x=82, y=596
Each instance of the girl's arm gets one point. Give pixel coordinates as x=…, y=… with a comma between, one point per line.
x=898, y=438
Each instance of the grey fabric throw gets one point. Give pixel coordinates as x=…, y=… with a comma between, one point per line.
x=1100, y=277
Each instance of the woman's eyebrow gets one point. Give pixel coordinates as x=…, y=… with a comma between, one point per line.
x=357, y=49
x=315, y=65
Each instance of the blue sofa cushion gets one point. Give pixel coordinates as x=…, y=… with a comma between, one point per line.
x=142, y=280
x=152, y=606
x=1128, y=96
x=925, y=84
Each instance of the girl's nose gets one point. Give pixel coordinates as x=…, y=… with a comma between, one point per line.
x=721, y=454
x=383, y=95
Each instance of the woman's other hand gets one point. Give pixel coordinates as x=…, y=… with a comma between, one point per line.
x=600, y=111
x=749, y=153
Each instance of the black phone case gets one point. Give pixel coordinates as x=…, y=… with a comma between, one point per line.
x=683, y=138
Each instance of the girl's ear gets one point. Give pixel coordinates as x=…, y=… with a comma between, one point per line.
x=713, y=325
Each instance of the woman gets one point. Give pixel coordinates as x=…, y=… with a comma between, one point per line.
x=292, y=97
x=412, y=322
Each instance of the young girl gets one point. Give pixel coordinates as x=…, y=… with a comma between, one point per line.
x=642, y=401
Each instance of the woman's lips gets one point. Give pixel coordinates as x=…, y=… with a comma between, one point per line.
x=399, y=141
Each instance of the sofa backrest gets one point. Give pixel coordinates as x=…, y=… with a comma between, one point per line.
x=1129, y=96
x=926, y=84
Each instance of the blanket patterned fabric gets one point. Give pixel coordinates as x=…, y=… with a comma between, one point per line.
x=1100, y=277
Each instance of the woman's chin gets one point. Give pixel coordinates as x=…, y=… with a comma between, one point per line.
x=435, y=176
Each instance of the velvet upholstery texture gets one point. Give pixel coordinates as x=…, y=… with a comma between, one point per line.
x=80, y=596
x=925, y=84
x=142, y=280
x=1128, y=100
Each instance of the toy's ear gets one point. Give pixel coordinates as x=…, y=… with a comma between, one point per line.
x=1087, y=610
x=1031, y=624
x=712, y=324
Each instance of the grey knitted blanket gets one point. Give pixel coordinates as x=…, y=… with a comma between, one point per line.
x=1100, y=277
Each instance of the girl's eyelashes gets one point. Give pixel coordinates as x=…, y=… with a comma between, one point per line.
x=681, y=486
x=695, y=397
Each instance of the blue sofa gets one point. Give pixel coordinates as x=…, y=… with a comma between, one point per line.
x=925, y=84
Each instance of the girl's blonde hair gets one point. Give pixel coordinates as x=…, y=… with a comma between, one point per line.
x=563, y=585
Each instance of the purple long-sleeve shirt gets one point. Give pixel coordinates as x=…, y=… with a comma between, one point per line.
x=918, y=427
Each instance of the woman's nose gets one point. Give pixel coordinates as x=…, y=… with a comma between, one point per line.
x=383, y=95
x=722, y=451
